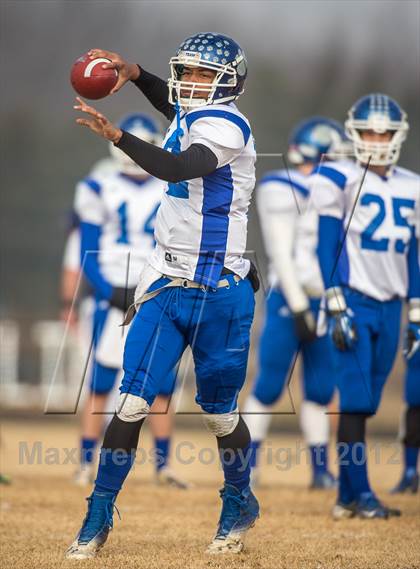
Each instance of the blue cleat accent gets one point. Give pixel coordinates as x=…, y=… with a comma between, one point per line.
x=96, y=526
x=240, y=510
x=368, y=507
x=323, y=481
x=409, y=483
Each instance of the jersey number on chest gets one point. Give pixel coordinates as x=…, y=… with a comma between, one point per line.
x=368, y=236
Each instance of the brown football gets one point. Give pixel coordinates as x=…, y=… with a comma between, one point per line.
x=90, y=80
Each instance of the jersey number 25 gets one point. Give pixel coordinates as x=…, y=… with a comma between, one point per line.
x=382, y=244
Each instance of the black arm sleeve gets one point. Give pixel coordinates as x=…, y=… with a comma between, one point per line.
x=156, y=90
x=197, y=161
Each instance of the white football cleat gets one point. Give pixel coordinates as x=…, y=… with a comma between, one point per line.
x=84, y=550
x=342, y=511
x=240, y=511
x=84, y=475
x=167, y=477
x=96, y=526
x=231, y=544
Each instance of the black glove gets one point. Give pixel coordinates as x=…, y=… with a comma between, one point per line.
x=122, y=297
x=253, y=277
x=305, y=325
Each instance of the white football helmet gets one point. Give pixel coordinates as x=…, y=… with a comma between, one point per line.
x=378, y=113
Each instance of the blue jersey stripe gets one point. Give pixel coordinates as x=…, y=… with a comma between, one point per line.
x=329, y=232
x=217, y=199
x=413, y=266
x=287, y=181
x=90, y=235
x=93, y=185
x=335, y=176
x=173, y=144
x=239, y=121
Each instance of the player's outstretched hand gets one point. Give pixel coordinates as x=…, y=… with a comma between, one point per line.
x=97, y=122
x=126, y=71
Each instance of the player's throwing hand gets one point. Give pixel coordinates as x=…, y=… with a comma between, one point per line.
x=98, y=123
x=126, y=71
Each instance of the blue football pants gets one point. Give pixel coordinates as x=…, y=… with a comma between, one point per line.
x=278, y=349
x=362, y=372
x=215, y=323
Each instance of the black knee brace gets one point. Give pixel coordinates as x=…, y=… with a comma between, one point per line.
x=238, y=438
x=122, y=435
x=412, y=427
x=352, y=428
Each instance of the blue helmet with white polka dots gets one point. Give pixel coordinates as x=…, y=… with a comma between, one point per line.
x=214, y=52
x=380, y=114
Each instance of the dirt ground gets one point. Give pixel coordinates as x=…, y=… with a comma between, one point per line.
x=167, y=528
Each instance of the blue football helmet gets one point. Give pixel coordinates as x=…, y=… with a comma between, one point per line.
x=378, y=113
x=210, y=51
x=315, y=137
x=142, y=126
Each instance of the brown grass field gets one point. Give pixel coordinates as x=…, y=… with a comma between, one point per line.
x=167, y=528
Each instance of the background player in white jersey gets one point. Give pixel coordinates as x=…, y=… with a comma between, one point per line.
x=197, y=288
x=290, y=226
x=410, y=427
x=77, y=306
x=411, y=417
x=117, y=208
x=368, y=253
x=70, y=271
x=71, y=266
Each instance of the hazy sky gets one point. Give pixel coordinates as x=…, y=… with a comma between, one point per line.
x=40, y=37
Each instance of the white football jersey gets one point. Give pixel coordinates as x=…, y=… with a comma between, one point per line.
x=125, y=209
x=201, y=225
x=286, y=192
x=379, y=216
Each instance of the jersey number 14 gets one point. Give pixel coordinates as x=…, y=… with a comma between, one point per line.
x=148, y=226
